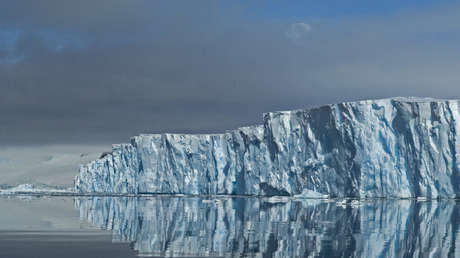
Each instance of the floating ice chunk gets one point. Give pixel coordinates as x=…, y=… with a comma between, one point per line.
x=398, y=148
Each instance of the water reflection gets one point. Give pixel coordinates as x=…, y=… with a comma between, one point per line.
x=252, y=227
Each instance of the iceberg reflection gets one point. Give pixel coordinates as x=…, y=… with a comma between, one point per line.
x=254, y=227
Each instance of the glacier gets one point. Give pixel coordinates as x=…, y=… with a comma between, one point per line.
x=384, y=148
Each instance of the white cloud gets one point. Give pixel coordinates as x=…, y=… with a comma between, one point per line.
x=52, y=165
x=297, y=30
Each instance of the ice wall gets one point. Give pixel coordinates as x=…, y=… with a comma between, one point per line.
x=400, y=147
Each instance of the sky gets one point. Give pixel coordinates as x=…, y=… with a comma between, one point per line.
x=99, y=72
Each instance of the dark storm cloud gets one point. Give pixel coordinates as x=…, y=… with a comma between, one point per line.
x=101, y=71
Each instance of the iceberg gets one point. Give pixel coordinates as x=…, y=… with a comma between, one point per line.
x=385, y=148
x=35, y=189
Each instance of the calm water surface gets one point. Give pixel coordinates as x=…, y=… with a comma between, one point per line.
x=166, y=226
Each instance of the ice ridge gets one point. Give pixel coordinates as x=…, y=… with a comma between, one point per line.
x=398, y=147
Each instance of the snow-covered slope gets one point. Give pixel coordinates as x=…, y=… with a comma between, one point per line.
x=401, y=147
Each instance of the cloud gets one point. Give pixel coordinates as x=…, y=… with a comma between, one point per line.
x=298, y=30
x=195, y=68
x=50, y=165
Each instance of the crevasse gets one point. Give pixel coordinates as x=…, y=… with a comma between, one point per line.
x=399, y=147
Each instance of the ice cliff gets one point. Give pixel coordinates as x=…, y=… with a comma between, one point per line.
x=400, y=147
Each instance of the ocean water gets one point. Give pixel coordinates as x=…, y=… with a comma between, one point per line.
x=179, y=226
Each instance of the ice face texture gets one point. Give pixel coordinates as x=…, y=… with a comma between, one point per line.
x=400, y=147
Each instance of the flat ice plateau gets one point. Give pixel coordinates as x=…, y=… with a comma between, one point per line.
x=32, y=189
x=387, y=148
